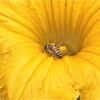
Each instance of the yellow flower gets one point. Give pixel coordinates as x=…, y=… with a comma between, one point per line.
x=26, y=73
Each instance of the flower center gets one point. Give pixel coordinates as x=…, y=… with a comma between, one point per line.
x=71, y=40
x=59, y=49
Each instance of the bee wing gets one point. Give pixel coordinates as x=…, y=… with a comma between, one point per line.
x=60, y=44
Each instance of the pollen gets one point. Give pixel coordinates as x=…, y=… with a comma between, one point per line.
x=64, y=50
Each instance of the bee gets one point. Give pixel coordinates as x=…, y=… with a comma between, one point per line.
x=53, y=49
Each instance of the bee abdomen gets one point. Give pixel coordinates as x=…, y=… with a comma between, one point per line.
x=58, y=54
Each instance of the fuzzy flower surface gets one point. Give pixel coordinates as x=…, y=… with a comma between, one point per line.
x=28, y=73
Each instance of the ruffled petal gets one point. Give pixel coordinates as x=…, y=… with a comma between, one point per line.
x=28, y=73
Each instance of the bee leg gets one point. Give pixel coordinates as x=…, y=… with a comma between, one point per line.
x=54, y=56
x=51, y=53
x=43, y=50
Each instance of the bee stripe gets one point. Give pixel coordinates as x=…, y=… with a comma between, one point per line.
x=59, y=56
x=57, y=52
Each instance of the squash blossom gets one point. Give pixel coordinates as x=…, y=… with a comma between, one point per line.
x=28, y=73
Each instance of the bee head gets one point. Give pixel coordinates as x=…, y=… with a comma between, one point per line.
x=49, y=46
